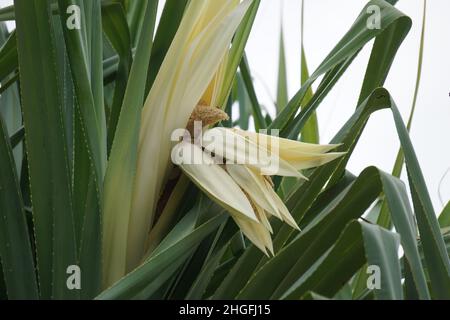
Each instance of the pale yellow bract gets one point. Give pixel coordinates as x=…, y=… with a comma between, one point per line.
x=193, y=73
x=188, y=74
x=242, y=188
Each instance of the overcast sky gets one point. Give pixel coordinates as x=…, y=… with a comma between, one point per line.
x=326, y=21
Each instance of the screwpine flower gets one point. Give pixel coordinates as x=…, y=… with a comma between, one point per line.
x=189, y=73
x=189, y=86
x=234, y=167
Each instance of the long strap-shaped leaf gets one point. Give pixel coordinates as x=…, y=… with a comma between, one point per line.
x=10, y=107
x=348, y=47
x=407, y=229
x=8, y=52
x=66, y=84
x=301, y=200
x=159, y=267
x=436, y=257
x=359, y=242
x=237, y=50
x=135, y=13
x=297, y=257
x=260, y=122
x=399, y=161
x=84, y=52
x=16, y=256
x=116, y=28
x=358, y=195
x=8, y=56
x=384, y=218
x=306, y=194
x=203, y=212
x=167, y=27
x=310, y=132
x=282, y=83
x=316, y=238
x=46, y=148
x=444, y=217
x=84, y=48
x=305, y=197
x=8, y=14
x=123, y=159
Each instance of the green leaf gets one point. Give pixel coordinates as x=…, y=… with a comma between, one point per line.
x=8, y=56
x=359, y=242
x=388, y=41
x=177, y=247
x=17, y=137
x=294, y=128
x=123, y=159
x=245, y=108
x=224, y=240
x=300, y=201
x=84, y=49
x=400, y=159
x=135, y=17
x=3, y=294
x=260, y=121
x=345, y=293
x=7, y=13
x=436, y=257
x=327, y=275
x=282, y=88
x=8, y=83
x=67, y=92
x=403, y=219
x=310, y=132
x=203, y=209
x=314, y=296
x=15, y=249
x=381, y=248
x=325, y=197
x=10, y=108
x=398, y=202
x=46, y=148
x=191, y=268
x=314, y=240
x=297, y=257
x=398, y=206
x=444, y=217
x=395, y=26
x=237, y=49
x=116, y=28
x=167, y=27
x=206, y=274
x=229, y=111
x=318, y=235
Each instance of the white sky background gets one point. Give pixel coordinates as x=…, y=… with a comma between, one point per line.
x=326, y=21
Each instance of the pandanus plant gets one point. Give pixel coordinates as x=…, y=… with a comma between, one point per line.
x=187, y=89
x=126, y=174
